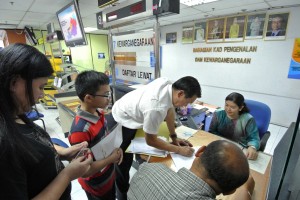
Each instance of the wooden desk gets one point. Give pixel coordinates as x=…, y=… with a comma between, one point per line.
x=203, y=138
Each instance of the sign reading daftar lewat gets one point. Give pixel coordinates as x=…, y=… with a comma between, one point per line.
x=135, y=74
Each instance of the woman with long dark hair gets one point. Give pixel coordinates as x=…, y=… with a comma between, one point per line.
x=235, y=123
x=30, y=166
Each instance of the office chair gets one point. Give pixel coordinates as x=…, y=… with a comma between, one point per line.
x=34, y=115
x=262, y=115
x=207, y=121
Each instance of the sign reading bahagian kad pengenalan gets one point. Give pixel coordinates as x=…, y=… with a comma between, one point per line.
x=226, y=49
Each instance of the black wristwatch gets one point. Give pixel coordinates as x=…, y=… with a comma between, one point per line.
x=173, y=135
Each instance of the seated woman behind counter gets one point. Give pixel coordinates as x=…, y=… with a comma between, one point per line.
x=235, y=123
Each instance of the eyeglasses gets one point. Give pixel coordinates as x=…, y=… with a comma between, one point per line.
x=108, y=95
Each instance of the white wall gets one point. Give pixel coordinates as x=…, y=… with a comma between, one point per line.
x=265, y=79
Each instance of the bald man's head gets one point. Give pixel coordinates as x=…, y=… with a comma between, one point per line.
x=226, y=164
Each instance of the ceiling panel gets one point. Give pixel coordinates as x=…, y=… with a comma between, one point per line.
x=48, y=6
x=188, y=11
x=42, y=12
x=228, y=4
x=28, y=23
x=86, y=10
x=37, y=17
x=19, y=5
x=11, y=15
x=275, y=3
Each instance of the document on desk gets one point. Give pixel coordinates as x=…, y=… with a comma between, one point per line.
x=184, y=132
x=261, y=163
x=139, y=145
x=106, y=146
x=182, y=161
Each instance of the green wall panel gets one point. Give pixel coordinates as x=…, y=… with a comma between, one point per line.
x=99, y=45
x=85, y=57
x=81, y=56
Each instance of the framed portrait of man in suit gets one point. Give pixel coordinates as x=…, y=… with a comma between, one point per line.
x=277, y=26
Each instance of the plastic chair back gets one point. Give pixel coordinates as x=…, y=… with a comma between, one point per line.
x=261, y=113
x=59, y=142
x=208, y=119
x=34, y=115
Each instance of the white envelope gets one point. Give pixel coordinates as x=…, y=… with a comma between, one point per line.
x=106, y=146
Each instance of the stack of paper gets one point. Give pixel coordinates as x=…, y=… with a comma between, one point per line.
x=261, y=163
x=184, y=132
x=182, y=161
x=139, y=145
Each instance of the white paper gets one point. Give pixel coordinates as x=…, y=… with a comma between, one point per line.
x=106, y=146
x=184, y=132
x=139, y=145
x=199, y=107
x=137, y=86
x=182, y=161
x=261, y=163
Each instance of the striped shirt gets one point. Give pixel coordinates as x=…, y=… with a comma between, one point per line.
x=91, y=128
x=155, y=181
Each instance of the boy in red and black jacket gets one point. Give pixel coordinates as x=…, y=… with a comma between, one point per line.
x=90, y=125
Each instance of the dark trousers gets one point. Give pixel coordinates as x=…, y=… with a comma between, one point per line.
x=122, y=170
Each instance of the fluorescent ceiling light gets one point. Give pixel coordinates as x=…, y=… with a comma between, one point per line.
x=195, y=2
x=89, y=29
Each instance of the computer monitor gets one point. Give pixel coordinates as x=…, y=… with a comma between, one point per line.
x=71, y=25
x=285, y=170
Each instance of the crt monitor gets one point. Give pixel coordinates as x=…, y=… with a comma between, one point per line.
x=71, y=25
x=285, y=170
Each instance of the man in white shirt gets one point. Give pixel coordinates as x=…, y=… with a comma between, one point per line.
x=147, y=108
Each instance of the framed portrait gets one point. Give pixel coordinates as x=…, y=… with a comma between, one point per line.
x=276, y=28
x=235, y=28
x=215, y=30
x=199, y=31
x=255, y=26
x=171, y=37
x=187, y=34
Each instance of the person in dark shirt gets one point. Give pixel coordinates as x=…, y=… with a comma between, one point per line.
x=29, y=162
